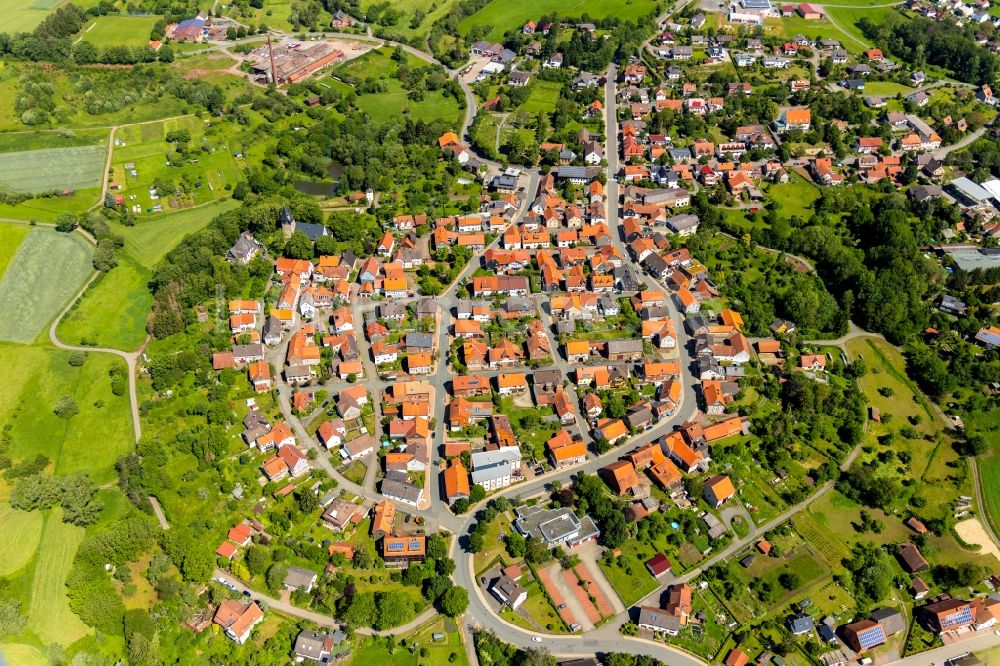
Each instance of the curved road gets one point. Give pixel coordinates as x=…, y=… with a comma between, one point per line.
x=130, y=358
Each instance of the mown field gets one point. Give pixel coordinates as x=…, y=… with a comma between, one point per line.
x=120, y=31
x=503, y=15
x=24, y=15
x=22, y=532
x=47, y=270
x=53, y=168
x=49, y=614
x=113, y=312
x=149, y=241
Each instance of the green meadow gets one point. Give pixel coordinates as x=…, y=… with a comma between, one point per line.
x=112, y=312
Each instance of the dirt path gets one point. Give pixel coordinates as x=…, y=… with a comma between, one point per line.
x=158, y=510
x=972, y=531
x=130, y=358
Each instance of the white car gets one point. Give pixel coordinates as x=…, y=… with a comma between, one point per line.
x=537, y=639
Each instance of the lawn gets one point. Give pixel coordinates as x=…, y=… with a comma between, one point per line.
x=150, y=240
x=825, y=29
x=886, y=88
x=49, y=615
x=120, y=31
x=502, y=15
x=31, y=294
x=53, y=168
x=22, y=531
x=89, y=442
x=542, y=97
x=11, y=236
x=113, y=311
x=796, y=197
x=628, y=575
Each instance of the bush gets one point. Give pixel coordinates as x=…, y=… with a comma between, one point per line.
x=66, y=408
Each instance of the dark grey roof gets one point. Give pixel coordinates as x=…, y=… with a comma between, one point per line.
x=298, y=577
x=422, y=340
x=312, y=231
x=800, y=624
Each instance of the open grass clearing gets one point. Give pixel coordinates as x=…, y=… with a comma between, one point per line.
x=150, y=240
x=22, y=531
x=120, y=31
x=113, y=311
x=502, y=15
x=53, y=168
x=30, y=294
x=796, y=197
x=89, y=442
x=49, y=614
x=847, y=19
x=395, y=103
x=542, y=97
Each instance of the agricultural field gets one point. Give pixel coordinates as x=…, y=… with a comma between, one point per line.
x=24, y=15
x=144, y=160
x=150, y=240
x=29, y=295
x=120, y=31
x=53, y=168
x=113, y=311
x=503, y=15
x=91, y=440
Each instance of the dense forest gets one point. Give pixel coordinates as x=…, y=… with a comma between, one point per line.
x=866, y=247
x=921, y=41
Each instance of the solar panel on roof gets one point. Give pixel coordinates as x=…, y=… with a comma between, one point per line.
x=395, y=545
x=414, y=545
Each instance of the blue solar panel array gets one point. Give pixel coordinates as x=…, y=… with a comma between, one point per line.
x=960, y=617
x=395, y=545
x=869, y=638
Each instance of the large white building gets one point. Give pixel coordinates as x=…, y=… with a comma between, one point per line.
x=495, y=469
